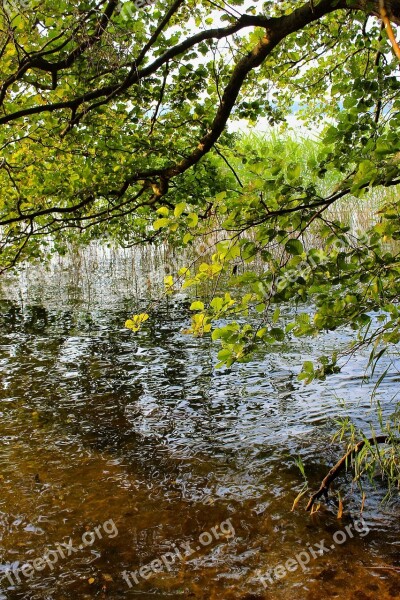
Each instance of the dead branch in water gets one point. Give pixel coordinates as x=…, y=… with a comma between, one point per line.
x=334, y=472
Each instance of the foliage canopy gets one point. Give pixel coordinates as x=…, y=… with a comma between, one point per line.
x=109, y=112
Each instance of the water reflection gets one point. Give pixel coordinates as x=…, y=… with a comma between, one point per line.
x=97, y=423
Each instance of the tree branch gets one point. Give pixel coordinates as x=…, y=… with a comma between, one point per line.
x=336, y=470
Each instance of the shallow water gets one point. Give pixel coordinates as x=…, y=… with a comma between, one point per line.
x=139, y=437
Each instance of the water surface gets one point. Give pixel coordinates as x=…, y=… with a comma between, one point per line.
x=98, y=425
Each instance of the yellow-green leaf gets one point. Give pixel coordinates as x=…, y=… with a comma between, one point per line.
x=197, y=305
x=192, y=219
x=163, y=210
x=179, y=208
x=159, y=223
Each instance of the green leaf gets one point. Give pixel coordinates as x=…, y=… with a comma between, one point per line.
x=276, y=315
x=224, y=354
x=217, y=303
x=277, y=333
x=294, y=247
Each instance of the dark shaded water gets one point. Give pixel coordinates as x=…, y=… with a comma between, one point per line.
x=138, y=434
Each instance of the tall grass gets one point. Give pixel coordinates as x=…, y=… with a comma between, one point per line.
x=357, y=213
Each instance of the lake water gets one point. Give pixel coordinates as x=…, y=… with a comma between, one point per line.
x=135, y=442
